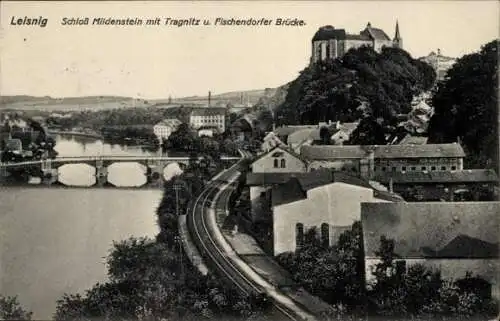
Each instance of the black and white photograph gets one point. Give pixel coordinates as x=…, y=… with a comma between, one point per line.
x=249, y=160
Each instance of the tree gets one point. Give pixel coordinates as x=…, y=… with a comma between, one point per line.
x=466, y=106
x=331, y=89
x=11, y=309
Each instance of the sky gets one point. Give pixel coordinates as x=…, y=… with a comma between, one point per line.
x=154, y=62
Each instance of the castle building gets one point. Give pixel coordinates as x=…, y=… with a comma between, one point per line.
x=331, y=43
x=440, y=63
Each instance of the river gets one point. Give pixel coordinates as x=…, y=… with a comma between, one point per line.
x=54, y=240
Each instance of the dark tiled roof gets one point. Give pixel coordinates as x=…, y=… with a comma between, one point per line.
x=318, y=178
x=289, y=192
x=461, y=176
x=329, y=32
x=375, y=34
x=327, y=152
x=208, y=111
x=444, y=229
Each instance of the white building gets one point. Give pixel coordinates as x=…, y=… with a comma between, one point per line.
x=327, y=201
x=166, y=127
x=208, y=116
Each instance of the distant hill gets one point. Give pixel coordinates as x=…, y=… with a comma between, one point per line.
x=246, y=97
x=46, y=103
x=23, y=102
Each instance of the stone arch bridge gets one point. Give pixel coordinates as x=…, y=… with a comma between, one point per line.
x=155, y=165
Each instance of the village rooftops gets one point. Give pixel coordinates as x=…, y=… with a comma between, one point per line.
x=208, y=111
x=435, y=177
x=327, y=152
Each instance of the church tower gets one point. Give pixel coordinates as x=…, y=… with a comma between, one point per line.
x=397, y=42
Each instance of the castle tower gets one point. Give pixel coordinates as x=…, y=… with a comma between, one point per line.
x=397, y=42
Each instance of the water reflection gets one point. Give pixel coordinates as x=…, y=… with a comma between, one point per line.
x=119, y=174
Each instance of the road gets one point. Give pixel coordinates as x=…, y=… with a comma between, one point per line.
x=220, y=257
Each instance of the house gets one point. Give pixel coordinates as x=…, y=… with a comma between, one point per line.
x=441, y=185
x=456, y=237
x=279, y=160
x=366, y=161
x=324, y=200
x=343, y=132
x=166, y=127
x=270, y=141
x=208, y=116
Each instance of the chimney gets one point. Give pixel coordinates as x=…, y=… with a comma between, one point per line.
x=391, y=185
x=209, y=98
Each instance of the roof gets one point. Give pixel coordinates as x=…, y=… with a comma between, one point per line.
x=285, y=131
x=303, y=135
x=375, y=33
x=462, y=176
x=283, y=148
x=328, y=32
x=289, y=192
x=433, y=229
x=348, y=128
x=296, y=187
x=208, y=111
x=169, y=122
x=326, y=152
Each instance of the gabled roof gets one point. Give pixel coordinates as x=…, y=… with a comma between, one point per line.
x=289, y=192
x=347, y=128
x=296, y=187
x=328, y=152
x=375, y=33
x=284, y=149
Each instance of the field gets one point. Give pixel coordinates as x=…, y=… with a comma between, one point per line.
x=51, y=104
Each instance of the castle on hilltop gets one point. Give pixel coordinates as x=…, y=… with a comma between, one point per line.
x=331, y=43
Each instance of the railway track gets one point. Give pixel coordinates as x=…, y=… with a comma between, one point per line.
x=219, y=256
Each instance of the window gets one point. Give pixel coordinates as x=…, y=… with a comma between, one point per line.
x=424, y=168
x=299, y=235
x=383, y=168
x=325, y=235
x=453, y=168
x=283, y=163
x=262, y=194
x=433, y=168
x=354, y=169
x=403, y=168
x=413, y=168
x=375, y=168
x=443, y=168
x=276, y=163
